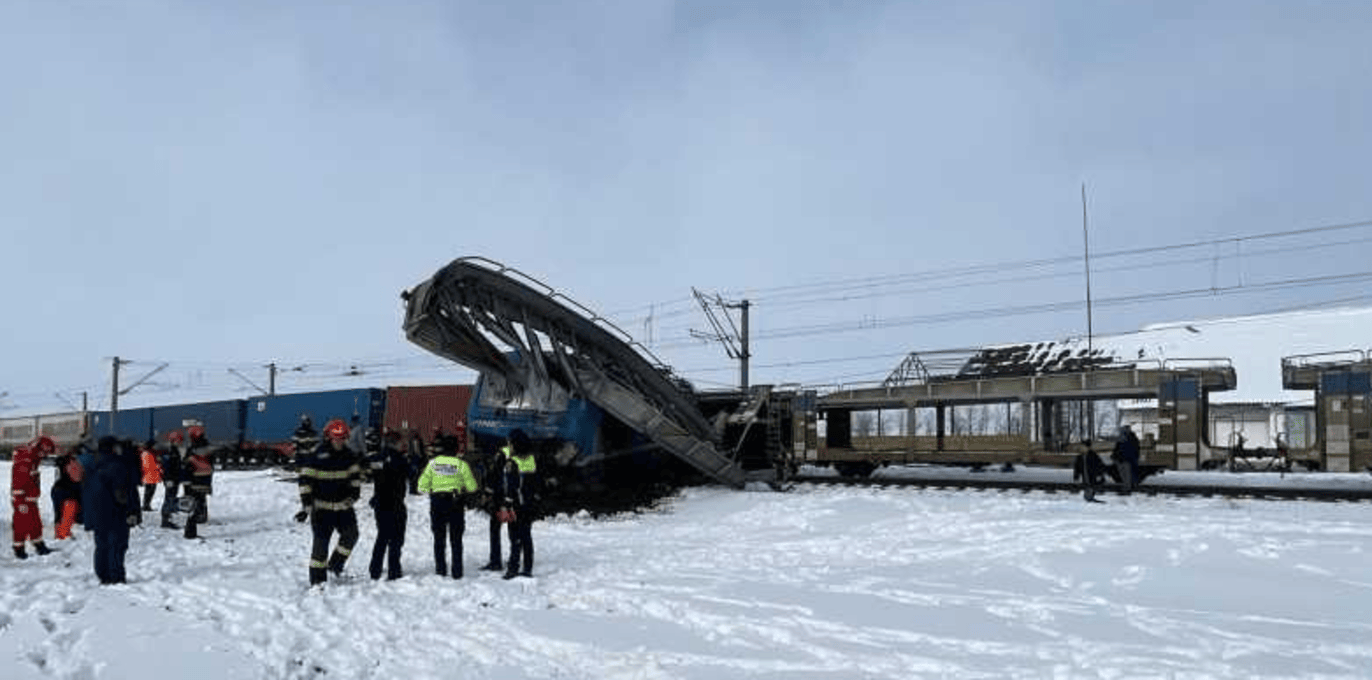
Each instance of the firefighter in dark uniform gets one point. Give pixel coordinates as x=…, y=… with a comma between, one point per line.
x=330, y=483
x=198, y=471
x=519, y=493
x=390, y=472
x=305, y=439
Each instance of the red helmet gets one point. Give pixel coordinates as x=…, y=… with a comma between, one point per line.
x=195, y=431
x=336, y=429
x=174, y=436
x=43, y=445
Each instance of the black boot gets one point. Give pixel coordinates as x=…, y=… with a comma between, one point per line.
x=493, y=565
x=41, y=548
x=168, y=524
x=19, y=552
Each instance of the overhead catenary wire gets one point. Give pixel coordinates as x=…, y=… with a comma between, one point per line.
x=323, y=371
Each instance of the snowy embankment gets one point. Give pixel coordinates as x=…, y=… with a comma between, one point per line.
x=815, y=583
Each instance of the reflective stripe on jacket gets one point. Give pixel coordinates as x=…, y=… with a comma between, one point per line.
x=329, y=479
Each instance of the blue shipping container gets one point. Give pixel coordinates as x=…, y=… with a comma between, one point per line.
x=272, y=420
x=222, y=420
x=134, y=423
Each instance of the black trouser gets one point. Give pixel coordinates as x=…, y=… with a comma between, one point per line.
x=495, y=541
x=521, y=542
x=390, y=538
x=169, y=500
x=1126, y=471
x=196, y=514
x=447, y=519
x=111, y=544
x=148, y=491
x=322, y=524
x=58, y=496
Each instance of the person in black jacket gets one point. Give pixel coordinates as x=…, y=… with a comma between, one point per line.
x=66, y=494
x=1089, y=469
x=390, y=479
x=492, y=470
x=1126, y=458
x=171, y=478
x=330, y=481
x=519, y=495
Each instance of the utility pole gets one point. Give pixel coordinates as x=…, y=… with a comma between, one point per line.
x=1086, y=246
x=1090, y=348
x=735, y=341
x=271, y=379
x=745, y=354
x=115, y=391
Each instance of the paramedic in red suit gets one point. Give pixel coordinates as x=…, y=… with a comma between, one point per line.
x=24, y=492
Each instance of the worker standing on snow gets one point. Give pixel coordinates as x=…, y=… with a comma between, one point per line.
x=199, y=474
x=448, y=480
x=171, y=478
x=1126, y=458
x=152, y=472
x=494, y=469
x=1089, y=469
x=330, y=483
x=109, y=507
x=305, y=439
x=25, y=489
x=66, y=495
x=519, y=493
x=390, y=478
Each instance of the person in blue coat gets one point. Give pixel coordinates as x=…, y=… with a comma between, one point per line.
x=108, y=507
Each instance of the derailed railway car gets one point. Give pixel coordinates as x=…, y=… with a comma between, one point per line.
x=1033, y=415
x=1342, y=383
x=609, y=420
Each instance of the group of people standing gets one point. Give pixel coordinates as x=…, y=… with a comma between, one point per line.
x=1090, y=470
x=97, y=487
x=505, y=483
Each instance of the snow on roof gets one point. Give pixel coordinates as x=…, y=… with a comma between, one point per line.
x=1254, y=345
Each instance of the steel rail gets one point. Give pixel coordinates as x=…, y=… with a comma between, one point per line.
x=1270, y=493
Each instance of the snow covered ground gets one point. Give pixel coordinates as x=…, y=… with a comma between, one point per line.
x=816, y=583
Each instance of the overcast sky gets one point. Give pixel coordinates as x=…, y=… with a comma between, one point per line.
x=220, y=185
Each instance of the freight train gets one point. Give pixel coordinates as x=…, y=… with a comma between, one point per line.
x=256, y=431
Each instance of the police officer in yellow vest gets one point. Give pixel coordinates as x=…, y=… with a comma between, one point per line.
x=447, y=480
x=490, y=481
x=519, y=493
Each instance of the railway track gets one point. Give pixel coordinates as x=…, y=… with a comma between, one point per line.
x=1271, y=493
